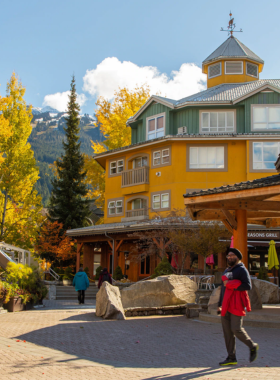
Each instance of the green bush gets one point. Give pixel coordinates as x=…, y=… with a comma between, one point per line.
x=98, y=272
x=68, y=274
x=263, y=274
x=163, y=268
x=118, y=274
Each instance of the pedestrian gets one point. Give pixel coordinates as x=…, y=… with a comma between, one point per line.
x=233, y=300
x=104, y=276
x=81, y=283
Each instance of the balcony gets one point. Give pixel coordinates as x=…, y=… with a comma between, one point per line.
x=138, y=214
x=139, y=178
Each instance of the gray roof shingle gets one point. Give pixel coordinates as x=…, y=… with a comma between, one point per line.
x=232, y=48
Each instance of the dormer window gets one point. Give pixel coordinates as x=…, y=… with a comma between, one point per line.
x=232, y=67
x=217, y=121
x=156, y=126
x=214, y=70
x=252, y=69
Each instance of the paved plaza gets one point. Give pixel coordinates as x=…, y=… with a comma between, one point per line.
x=65, y=341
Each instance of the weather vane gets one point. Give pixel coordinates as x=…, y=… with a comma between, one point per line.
x=231, y=26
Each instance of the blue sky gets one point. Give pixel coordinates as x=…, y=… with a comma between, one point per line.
x=46, y=42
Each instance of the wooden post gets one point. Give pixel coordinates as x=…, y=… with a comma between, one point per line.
x=79, y=248
x=240, y=235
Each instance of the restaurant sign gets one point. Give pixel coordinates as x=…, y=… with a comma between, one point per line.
x=267, y=235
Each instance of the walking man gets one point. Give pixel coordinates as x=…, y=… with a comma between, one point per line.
x=81, y=283
x=233, y=299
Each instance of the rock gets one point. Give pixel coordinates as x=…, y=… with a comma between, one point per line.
x=214, y=299
x=161, y=291
x=269, y=292
x=108, y=302
x=254, y=296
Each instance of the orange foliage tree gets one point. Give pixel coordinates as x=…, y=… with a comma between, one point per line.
x=54, y=246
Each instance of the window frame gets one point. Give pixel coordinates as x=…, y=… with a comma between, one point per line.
x=116, y=160
x=155, y=117
x=251, y=157
x=252, y=117
x=242, y=65
x=160, y=194
x=224, y=169
x=250, y=75
x=214, y=64
x=201, y=111
x=160, y=149
x=115, y=200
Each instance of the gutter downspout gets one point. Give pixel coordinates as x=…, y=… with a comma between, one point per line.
x=113, y=253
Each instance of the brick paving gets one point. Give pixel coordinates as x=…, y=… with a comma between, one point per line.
x=61, y=342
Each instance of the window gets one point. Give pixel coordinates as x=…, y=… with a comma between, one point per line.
x=207, y=157
x=138, y=204
x=214, y=70
x=217, y=121
x=252, y=69
x=96, y=262
x=160, y=201
x=139, y=162
x=266, y=117
x=155, y=126
x=265, y=154
x=145, y=266
x=161, y=157
x=234, y=67
x=115, y=207
x=116, y=167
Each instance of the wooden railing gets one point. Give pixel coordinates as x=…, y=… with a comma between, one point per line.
x=136, y=176
x=138, y=212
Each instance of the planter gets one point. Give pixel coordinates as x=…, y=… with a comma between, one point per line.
x=67, y=282
x=16, y=304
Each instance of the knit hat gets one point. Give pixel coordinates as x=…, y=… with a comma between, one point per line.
x=236, y=252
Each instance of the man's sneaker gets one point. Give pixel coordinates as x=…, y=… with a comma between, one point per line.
x=228, y=361
x=254, y=353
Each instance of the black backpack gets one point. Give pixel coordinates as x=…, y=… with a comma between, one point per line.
x=106, y=277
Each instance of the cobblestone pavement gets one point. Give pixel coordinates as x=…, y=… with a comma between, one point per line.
x=58, y=343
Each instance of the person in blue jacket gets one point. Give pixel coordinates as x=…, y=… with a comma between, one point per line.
x=81, y=283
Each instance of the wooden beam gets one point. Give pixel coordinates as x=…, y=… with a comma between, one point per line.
x=118, y=246
x=268, y=191
x=209, y=215
x=78, y=257
x=230, y=218
x=228, y=226
x=275, y=222
x=249, y=205
x=256, y=221
x=240, y=235
x=167, y=244
x=191, y=212
x=156, y=243
x=110, y=244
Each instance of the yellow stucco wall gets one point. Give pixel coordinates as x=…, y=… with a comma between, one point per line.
x=176, y=178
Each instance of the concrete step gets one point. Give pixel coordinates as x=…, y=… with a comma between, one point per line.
x=253, y=321
x=67, y=298
x=69, y=293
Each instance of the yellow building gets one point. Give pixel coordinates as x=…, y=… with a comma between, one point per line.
x=226, y=134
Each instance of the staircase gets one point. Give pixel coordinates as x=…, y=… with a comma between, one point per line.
x=65, y=293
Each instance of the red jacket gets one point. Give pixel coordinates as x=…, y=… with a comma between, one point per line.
x=235, y=301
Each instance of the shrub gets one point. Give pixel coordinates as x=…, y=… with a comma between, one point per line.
x=68, y=274
x=118, y=274
x=163, y=268
x=263, y=274
x=98, y=272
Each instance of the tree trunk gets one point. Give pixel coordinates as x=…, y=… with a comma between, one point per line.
x=4, y=213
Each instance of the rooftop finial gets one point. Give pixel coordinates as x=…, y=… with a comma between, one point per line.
x=231, y=26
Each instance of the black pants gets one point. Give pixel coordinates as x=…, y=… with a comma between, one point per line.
x=232, y=327
x=81, y=296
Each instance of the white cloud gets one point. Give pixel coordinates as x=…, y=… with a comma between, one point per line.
x=60, y=100
x=111, y=74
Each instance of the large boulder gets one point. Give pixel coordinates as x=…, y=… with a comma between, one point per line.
x=269, y=292
x=161, y=291
x=214, y=299
x=108, y=302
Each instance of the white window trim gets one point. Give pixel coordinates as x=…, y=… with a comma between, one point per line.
x=164, y=201
x=120, y=166
x=215, y=111
x=112, y=207
x=160, y=155
x=156, y=208
x=154, y=117
x=113, y=162
x=218, y=75
x=160, y=201
x=234, y=73
x=115, y=207
x=250, y=75
x=252, y=116
x=197, y=156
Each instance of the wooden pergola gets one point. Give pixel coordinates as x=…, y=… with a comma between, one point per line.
x=253, y=202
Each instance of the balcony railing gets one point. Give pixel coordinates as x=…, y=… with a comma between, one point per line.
x=138, y=212
x=136, y=176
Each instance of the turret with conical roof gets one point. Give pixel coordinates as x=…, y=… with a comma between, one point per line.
x=232, y=62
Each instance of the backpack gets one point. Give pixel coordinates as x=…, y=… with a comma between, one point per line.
x=106, y=277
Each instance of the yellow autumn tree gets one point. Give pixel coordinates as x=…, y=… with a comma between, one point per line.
x=5, y=128
x=112, y=118
x=20, y=205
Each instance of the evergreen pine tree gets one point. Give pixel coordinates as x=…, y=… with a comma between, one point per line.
x=68, y=204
